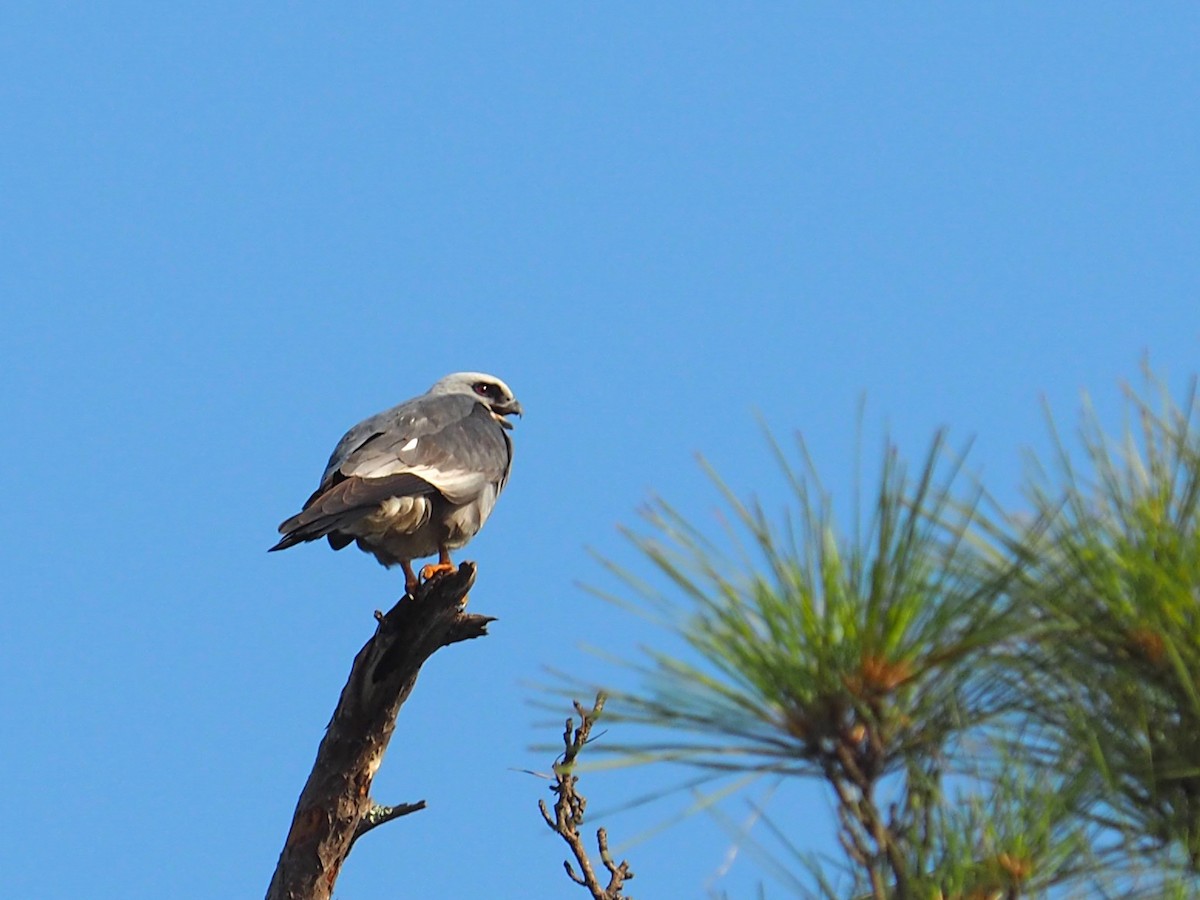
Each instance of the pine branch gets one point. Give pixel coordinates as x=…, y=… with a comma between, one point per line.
x=335, y=807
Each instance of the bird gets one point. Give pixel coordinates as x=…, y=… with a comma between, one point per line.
x=417, y=479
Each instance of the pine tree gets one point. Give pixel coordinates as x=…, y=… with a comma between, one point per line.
x=1002, y=704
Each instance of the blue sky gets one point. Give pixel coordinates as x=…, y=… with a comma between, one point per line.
x=232, y=230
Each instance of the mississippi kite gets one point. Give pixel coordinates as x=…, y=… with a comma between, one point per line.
x=417, y=479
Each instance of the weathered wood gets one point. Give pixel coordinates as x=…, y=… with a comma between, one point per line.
x=335, y=806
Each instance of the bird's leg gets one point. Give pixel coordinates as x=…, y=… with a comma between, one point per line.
x=410, y=579
x=442, y=565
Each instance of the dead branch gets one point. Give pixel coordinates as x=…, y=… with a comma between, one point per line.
x=335, y=807
x=569, y=812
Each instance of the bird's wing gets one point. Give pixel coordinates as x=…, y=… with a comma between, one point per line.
x=451, y=443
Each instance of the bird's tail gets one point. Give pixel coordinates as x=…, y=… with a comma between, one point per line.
x=298, y=531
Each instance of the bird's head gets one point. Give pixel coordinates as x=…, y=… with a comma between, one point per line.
x=486, y=389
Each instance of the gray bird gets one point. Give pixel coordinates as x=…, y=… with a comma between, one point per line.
x=417, y=479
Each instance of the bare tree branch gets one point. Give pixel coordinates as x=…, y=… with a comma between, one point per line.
x=569, y=813
x=380, y=815
x=335, y=807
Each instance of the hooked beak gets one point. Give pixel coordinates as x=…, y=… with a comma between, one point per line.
x=512, y=409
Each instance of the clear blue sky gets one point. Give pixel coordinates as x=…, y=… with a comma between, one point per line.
x=231, y=230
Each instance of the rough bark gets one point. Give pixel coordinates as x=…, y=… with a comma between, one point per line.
x=335, y=807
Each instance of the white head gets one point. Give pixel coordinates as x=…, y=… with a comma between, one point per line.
x=486, y=389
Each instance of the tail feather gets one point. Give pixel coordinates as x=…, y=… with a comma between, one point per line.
x=302, y=528
x=299, y=536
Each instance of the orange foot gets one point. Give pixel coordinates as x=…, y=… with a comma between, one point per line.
x=438, y=568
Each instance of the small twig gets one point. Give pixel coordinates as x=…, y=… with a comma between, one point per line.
x=380, y=815
x=569, y=813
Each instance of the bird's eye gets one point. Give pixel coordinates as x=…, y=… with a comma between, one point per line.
x=483, y=389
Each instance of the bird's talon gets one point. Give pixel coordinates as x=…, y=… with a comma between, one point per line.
x=429, y=571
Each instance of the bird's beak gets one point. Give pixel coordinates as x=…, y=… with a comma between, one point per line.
x=513, y=409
